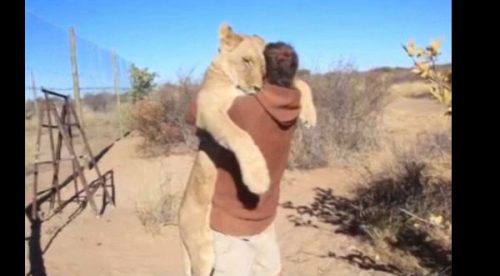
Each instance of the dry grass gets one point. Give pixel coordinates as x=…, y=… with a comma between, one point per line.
x=406, y=214
x=402, y=205
x=158, y=206
x=430, y=147
x=349, y=107
x=160, y=117
x=416, y=179
x=413, y=89
x=101, y=125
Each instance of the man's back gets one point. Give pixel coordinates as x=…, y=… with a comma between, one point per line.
x=270, y=119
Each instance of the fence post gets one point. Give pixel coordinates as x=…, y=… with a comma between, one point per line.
x=74, y=73
x=116, y=81
x=33, y=87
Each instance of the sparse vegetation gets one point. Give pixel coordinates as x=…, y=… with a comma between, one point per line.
x=411, y=89
x=404, y=210
x=349, y=105
x=160, y=117
x=157, y=207
x=99, y=102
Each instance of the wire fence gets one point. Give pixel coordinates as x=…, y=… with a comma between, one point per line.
x=103, y=78
x=48, y=56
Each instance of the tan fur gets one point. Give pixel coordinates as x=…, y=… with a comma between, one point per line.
x=236, y=70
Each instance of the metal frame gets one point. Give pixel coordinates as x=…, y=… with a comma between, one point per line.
x=65, y=122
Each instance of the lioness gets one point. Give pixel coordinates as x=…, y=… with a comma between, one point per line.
x=237, y=69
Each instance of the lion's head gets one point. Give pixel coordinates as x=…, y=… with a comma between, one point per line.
x=241, y=59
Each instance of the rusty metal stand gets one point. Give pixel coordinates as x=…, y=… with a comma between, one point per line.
x=64, y=124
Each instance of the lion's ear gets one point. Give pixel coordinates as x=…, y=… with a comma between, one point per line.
x=228, y=39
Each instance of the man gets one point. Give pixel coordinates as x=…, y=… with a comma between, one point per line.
x=242, y=222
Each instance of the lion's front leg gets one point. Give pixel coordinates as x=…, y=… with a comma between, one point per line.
x=308, y=110
x=253, y=166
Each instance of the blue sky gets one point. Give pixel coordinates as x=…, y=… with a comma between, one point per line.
x=166, y=36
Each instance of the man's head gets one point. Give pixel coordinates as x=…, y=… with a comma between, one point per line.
x=281, y=63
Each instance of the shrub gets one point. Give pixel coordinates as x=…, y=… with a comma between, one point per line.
x=160, y=117
x=349, y=105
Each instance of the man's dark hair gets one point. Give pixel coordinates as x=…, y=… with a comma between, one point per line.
x=281, y=63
